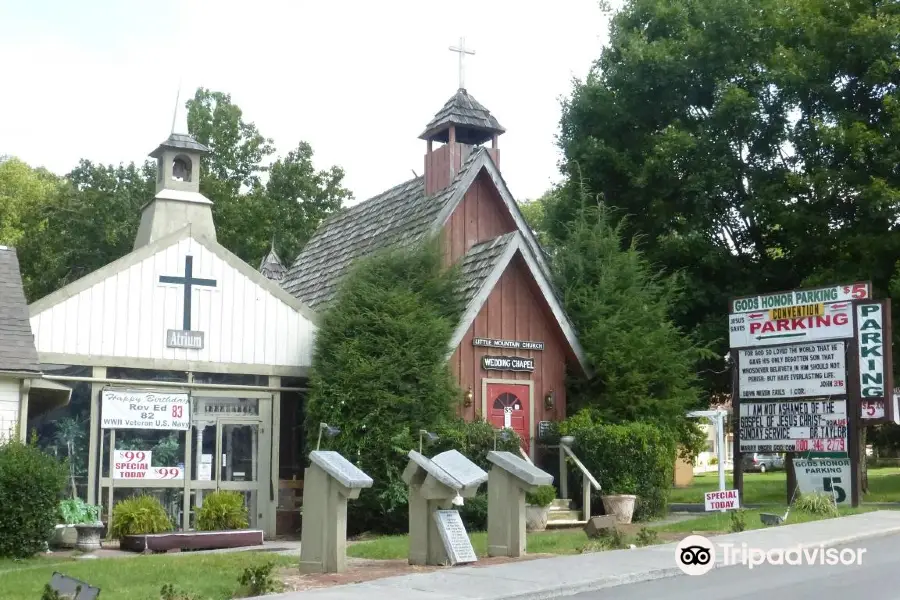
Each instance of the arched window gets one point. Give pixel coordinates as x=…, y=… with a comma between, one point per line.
x=507, y=400
x=181, y=168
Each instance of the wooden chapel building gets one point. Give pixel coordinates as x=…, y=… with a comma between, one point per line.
x=511, y=349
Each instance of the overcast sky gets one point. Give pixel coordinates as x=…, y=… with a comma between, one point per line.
x=356, y=79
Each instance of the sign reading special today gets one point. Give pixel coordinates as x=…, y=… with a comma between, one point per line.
x=795, y=426
x=145, y=410
x=136, y=464
x=793, y=371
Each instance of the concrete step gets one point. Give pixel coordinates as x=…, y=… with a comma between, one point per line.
x=565, y=524
x=562, y=504
x=564, y=515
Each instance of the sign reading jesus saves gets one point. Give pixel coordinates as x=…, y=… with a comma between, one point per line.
x=814, y=322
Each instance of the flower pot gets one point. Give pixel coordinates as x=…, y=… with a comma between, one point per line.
x=619, y=505
x=64, y=536
x=88, y=536
x=536, y=517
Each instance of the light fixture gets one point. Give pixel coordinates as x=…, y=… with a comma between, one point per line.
x=328, y=430
x=468, y=398
x=503, y=434
x=549, y=400
x=432, y=437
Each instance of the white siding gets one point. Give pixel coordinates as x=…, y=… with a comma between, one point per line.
x=9, y=406
x=127, y=315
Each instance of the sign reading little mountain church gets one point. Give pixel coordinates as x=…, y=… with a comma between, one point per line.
x=793, y=371
x=511, y=344
x=833, y=293
x=145, y=410
x=507, y=363
x=795, y=426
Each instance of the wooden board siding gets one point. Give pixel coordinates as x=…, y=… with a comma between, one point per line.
x=478, y=218
x=515, y=311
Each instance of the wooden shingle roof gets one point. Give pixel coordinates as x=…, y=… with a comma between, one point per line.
x=479, y=262
x=271, y=266
x=474, y=123
x=17, y=350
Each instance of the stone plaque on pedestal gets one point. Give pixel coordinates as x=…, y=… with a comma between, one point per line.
x=456, y=539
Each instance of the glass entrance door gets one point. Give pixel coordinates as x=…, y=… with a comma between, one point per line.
x=238, y=470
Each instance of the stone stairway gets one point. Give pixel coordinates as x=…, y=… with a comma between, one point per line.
x=563, y=514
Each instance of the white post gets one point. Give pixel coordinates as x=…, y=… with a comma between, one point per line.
x=720, y=449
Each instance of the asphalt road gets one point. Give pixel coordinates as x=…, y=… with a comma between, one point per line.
x=877, y=578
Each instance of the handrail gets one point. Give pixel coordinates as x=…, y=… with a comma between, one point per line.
x=584, y=470
x=525, y=455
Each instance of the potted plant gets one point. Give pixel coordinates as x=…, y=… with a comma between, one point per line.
x=620, y=505
x=537, y=507
x=77, y=522
x=222, y=511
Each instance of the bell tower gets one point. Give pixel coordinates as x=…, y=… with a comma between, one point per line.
x=460, y=126
x=178, y=201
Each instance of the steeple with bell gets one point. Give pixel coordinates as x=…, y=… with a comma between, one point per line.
x=462, y=124
x=178, y=201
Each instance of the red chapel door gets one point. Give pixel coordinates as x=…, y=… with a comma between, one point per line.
x=508, y=406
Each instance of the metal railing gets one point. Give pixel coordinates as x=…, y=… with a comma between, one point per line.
x=587, y=480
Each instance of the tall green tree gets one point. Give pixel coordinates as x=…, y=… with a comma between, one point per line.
x=23, y=191
x=645, y=366
x=752, y=145
x=380, y=371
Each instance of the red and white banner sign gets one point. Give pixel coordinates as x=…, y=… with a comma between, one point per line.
x=136, y=464
x=777, y=326
x=723, y=500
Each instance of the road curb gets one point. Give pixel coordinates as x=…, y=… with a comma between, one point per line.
x=617, y=580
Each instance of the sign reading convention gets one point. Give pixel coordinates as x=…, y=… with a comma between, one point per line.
x=145, y=410
x=795, y=426
x=793, y=324
x=794, y=371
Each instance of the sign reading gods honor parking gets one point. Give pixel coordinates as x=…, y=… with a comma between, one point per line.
x=795, y=371
x=145, y=410
x=796, y=426
x=825, y=476
x=834, y=293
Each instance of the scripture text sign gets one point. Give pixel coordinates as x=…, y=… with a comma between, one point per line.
x=453, y=534
x=722, y=500
x=795, y=371
x=795, y=426
x=145, y=410
x=824, y=475
x=799, y=324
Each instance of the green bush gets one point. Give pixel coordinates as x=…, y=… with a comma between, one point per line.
x=380, y=372
x=543, y=495
x=73, y=511
x=31, y=482
x=631, y=458
x=474, y=512
x=738, y=520
x=817, y=504
x=474, y=439
x=258, y=580
x=222, y=510
x=139, y=515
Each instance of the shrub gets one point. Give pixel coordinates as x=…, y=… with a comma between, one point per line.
x=168, y=592
x=222, y=510
x=713, y=461
x=474, y=513
x=73, y=511
x=380, y=372
x=258, y=581
x=817, y=504
x=139, y=515
x=543, y=495
x=474, y=439
x=647, y=537
x=631, y=458
x=31, y=482
x=738, y=520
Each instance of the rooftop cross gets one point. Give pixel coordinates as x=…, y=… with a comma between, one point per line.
x=462, y=51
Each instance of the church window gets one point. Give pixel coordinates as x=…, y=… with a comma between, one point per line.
x=181, y=168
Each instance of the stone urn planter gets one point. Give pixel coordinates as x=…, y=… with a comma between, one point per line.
x=88, y=536
x=64, y=537
x=619, y=505
x=536, y=517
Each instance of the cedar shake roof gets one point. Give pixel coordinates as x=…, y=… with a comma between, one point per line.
x=480, y=261
x=474, y=123
x=17, y=351
x=180, y=141
x=401, y=216
x=271, y=266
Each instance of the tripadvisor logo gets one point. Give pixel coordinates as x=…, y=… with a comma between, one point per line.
x=696, y=555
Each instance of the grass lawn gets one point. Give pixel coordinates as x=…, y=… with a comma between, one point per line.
x=771, y=488
x=392, y=547
x=209, y=576
x=721, y=522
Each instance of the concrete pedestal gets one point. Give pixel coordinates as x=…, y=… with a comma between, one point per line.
x=329, y=482
x=509, y=479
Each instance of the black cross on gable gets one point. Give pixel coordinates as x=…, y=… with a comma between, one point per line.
x=187, y=281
